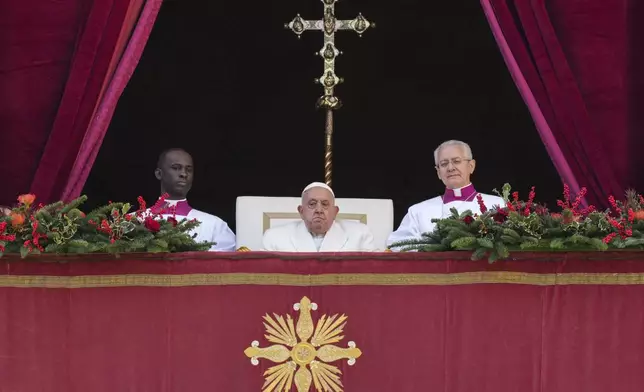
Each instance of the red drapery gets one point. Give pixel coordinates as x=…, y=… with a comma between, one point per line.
x=575, y=59
x=431, y=322
x=59, y=62
x=119, y=75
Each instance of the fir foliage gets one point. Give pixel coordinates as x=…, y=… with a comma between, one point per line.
x=62, y=228
x=526, y=225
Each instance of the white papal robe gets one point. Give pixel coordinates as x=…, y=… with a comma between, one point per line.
x=418, y=219
x=211, y=229
x=343, y=236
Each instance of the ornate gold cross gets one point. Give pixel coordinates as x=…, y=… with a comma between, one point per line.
x=304, y=351
x=329, y=25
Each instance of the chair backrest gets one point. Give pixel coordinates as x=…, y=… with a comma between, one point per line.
x=256, y=214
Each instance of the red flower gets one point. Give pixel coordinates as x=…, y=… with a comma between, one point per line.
x=152, y=225
x=587, y=211
x=609, y=238
x=28, y=245
x=468, y=219
x=5, y=237
x=622, y=227
x=574, y=206
x=160, y=207
x=36, y=237
x=613, y=204
x=173, y=221
x=27, y=199
x=541, y=210
x=482, y=206
x=528, y=205
x=142, y=206
x=500, y=216
x=17, y=219
x=577, y=202
x=105, y=227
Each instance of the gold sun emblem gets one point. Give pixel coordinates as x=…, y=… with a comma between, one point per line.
x=307, y=360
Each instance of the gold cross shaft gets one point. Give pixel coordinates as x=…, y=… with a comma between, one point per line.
x=329, y=24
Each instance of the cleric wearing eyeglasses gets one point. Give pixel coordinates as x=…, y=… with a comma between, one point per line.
x=454, y=166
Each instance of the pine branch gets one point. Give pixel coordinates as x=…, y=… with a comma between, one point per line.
x=501, y=250
x=485, y=243
x=74, y=204
x=424, y=248
x=557, y=243
x=479, y=253
x=463, y=243
x=53, y=208
x=510, y=240
x=633, y=242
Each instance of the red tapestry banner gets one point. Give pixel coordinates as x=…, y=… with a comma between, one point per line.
x=353, y=322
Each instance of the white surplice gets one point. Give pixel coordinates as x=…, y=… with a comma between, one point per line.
x=211, y=229
x=343, y=236
x=418, y=219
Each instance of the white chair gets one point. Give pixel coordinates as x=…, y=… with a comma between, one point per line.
x=256, y=214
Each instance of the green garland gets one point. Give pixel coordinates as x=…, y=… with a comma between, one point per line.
x=61, y=228
x=526, y=225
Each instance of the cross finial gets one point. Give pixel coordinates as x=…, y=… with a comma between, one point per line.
x=329, y=24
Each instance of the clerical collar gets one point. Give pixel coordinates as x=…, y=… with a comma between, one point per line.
x=466, y=193
x=182, y=208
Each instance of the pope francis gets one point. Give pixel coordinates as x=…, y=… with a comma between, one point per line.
x=318, y=231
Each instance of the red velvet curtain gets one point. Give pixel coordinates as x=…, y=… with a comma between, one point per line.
x=58, y=59
x=576, y=59
x=635, y=92
x=124, y=62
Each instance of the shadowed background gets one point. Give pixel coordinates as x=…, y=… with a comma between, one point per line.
x=236, y=90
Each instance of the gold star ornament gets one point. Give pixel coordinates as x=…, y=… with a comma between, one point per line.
x=303, y=352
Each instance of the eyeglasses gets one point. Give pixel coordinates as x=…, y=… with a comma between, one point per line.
x=453, y=161
x=313, y=204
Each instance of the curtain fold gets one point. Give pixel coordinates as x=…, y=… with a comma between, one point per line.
x=114, y=87
x=69, y=140
x=59, y=65
x=38, y=41
x=545, y=132
x=89, y=65
x=572, y=58
x=635, y=89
